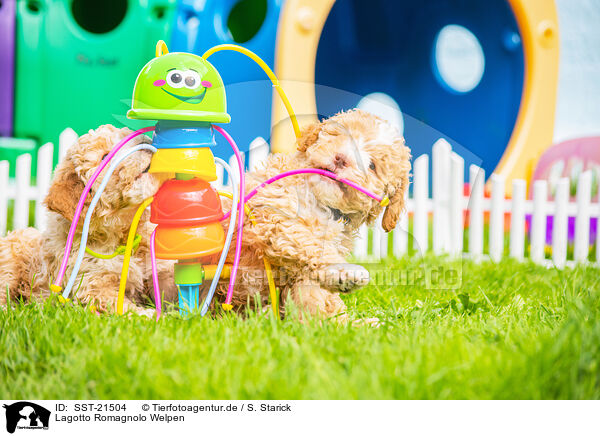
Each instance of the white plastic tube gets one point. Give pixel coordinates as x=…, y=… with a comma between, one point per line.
x=229, y=237
x=86, y=223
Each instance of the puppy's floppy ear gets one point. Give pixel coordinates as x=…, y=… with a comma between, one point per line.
x=65, y=190
x=397, y=192
x=394, y=209
x=309, y=136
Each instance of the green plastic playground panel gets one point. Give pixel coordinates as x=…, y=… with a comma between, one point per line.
x=77, y=61
x=11, y=148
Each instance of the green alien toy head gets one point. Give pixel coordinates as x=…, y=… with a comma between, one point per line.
x=179, y=86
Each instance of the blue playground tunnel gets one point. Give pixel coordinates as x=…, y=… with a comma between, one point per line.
x=455, y=70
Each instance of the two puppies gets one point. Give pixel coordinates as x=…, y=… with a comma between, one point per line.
x=305, y=225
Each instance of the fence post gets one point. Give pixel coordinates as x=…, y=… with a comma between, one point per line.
x=3, y=196
x=400, y=233
x=44, y=173
x=517, y=219
x=257, y=153
x=457, y=225
x=441, y=176
x=361, y=243
x=233, y=163
x=538, y=220
x=582, y=220
x=559, y=224
x=66, y=138
x=497, y=218
x=378, y=234
x=383, y=243
x=476, y=181
x=421, y=200
x=23, y=182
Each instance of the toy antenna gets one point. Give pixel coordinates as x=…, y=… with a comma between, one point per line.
x=161, y=48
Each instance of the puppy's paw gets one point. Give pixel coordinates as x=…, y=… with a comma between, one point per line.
x=371, y=322
x=343, y=277
x=133, y=309
x=150, y=313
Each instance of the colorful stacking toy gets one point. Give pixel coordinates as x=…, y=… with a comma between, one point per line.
x=186, y=208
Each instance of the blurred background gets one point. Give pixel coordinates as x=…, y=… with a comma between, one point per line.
x=501, y=80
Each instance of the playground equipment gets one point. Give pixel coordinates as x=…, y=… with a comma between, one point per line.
x=331, y=54
x=72, y=52
x=252, y=24
x=7, y=54
x=185, y=94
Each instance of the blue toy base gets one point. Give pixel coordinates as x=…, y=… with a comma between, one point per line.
x=188, y=298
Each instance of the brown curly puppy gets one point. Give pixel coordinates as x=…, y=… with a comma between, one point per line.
x=305, y=224
x=29, y=259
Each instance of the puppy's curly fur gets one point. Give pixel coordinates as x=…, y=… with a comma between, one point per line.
x=305, y=225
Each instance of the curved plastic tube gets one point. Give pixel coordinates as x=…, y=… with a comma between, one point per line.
x=229, y=237
x=268, y=270
x=88, y=216
x=155, y=284
x=274, y=80
x=128, y=249
x=381, y=200
x=86, y=190
x=240, y=228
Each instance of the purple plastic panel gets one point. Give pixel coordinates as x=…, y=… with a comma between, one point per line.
x=7, y=65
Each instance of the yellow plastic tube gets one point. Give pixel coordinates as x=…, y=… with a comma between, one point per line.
x=256, y=58
x=120, y=250
x=128, y=250
x=268, y=270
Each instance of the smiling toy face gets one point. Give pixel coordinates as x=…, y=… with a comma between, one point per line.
x=179, y=86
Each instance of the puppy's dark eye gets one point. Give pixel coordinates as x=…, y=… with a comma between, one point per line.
x=104, y=156
x=372, y=166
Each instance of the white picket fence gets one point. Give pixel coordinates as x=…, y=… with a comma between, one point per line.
x=22, y=191
x=446, y=206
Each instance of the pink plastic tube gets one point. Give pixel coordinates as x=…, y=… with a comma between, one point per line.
x=242, y=201
x=325, y=173
x=155, y=284
x=86, y=190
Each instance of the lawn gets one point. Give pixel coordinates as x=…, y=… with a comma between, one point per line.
x=508, y=330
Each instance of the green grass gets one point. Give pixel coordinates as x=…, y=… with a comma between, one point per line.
x=508, y=330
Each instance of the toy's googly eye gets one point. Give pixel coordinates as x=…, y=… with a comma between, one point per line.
x=192, y=79
x=175, y=79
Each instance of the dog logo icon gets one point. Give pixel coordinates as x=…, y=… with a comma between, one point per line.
x=26, y=415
